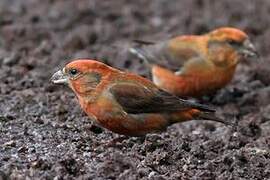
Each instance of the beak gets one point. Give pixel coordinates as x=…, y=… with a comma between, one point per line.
x=249, y=51
x=59, y=78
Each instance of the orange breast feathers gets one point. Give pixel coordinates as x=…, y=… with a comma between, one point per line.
x=192, y=85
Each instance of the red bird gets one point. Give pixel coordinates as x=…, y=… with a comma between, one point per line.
x=126, y=103
x=193, y=65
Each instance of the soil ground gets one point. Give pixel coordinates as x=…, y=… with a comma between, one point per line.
x=45, y=134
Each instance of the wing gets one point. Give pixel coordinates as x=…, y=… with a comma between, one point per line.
x=136, y=98
x=172, y=54
x=143, y=42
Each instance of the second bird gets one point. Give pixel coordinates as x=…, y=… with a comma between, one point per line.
x=196, y=65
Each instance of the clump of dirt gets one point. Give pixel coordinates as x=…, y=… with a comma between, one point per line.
x=45, y=134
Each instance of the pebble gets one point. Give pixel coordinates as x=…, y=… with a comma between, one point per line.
x=11, y=60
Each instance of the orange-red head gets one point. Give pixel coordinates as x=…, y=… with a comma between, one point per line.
x=82, y=75
x=231, y=40
x=228, y=34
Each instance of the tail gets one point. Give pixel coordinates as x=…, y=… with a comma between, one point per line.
x=201, y=107
x=143, y=42
x=213, y=117
x=196, y=114
x=139, y=52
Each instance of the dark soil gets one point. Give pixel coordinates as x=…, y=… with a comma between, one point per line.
x=45, y=134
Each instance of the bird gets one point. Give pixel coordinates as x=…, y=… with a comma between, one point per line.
x=126, y=103
x=196, y=65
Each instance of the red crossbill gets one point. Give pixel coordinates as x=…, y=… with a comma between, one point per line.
x=196, y=65
x=126, y=103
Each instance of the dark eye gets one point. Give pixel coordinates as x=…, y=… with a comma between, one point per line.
x=234, y=43
x=73, y=72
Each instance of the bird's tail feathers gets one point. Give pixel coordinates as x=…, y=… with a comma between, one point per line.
x=139, y=52
x=213, y=117
x=143, y=42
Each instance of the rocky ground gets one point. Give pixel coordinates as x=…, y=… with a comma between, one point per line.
x=45, y=134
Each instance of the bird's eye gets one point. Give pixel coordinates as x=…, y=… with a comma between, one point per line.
x=73, y=72
x=234, y=43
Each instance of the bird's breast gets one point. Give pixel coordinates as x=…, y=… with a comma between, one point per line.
x=196, y=84
x=118, y=121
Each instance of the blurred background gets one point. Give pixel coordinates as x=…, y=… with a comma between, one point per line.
x=44, y=133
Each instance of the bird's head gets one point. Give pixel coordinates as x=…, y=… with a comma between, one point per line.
x=83, y=75
x=233, y=41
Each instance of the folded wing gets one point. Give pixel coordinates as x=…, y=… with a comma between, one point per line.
x=136, y=98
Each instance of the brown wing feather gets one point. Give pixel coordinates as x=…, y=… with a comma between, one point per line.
x=171, y=54
x=136, y=98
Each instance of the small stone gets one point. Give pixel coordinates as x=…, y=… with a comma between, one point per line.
x=11, y=60
x=10, y=144
x=22, y=149
x=151, y=174
x=37, y=163
x=266, y=112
